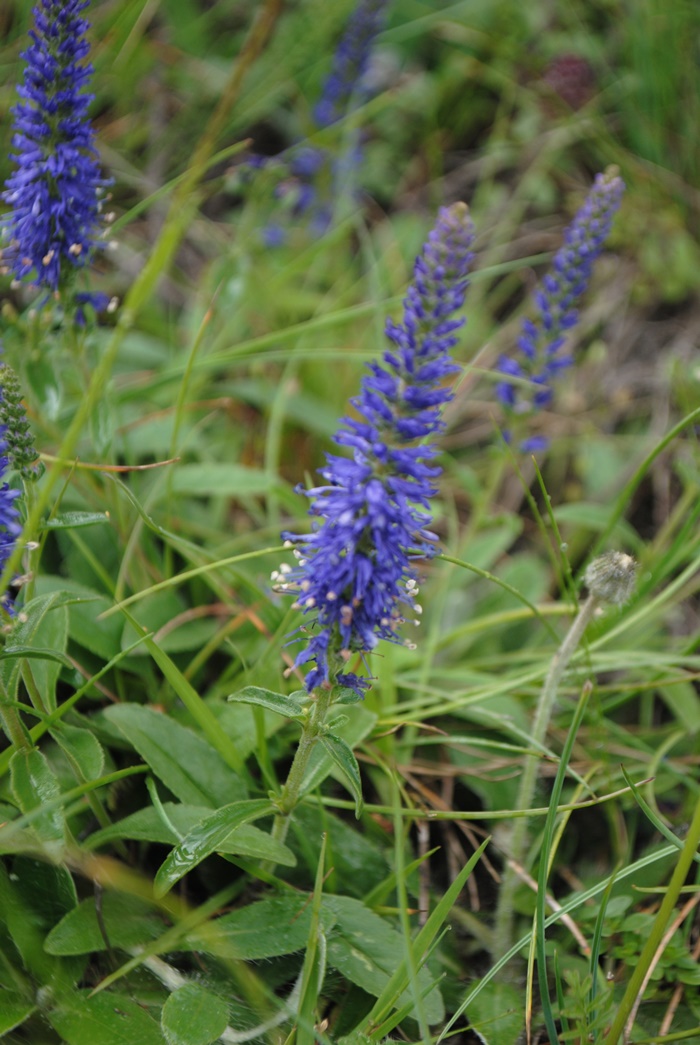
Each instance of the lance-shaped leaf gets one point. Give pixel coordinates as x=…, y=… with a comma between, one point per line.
x=345, y=760
x=205, y=839
x=289, y=706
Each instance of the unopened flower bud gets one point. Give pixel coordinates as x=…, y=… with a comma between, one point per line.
x=611, y=577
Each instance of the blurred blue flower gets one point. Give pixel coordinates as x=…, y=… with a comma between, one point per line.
x=54, y=192
x=344, y=83
x=355, y=574
x=311, y=176
x=542, y=344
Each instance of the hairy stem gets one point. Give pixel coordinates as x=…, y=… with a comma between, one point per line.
x=503, y=932
x=311, y=730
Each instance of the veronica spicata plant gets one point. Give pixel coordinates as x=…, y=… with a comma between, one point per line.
x=355, y=577
x=542, y=351
x=54, y=223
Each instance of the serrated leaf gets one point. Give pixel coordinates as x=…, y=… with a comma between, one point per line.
x=365, y=949
x=265, y=929
x=185, y=762
x=129, y=922
x=83, y=1020
x=82, y=748
x=33, y=784
x=192, y=1015
x=357, y=723
x=205, y=839
x=147, y=826
x=73, y=520
x=343, y=757
x=265, y=698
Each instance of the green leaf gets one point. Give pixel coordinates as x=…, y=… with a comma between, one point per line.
x=193, y=1015
x=596, y=517
x=266, y=929
x=265, y=698
x=357, y=722
x=129, y=922
x=25, y=632
x=32, y=901
x=205, y=839
x=73, y=520
x=221, y=480
x=497, y=1014
x=366, y=950
x=683, y=702
x=200, y=712
x=343, y=757
x=155, y=612
x=84, y=608
x=34, y=653
x=358, y=863
x=184, y=761
x=110, y=1017
x=14, y=1010
x=33, y=783
x=82, y=748
x=421, y=947
x=54, y=635
x=147, y=826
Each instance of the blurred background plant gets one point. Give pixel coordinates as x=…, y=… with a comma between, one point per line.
x=237, y=360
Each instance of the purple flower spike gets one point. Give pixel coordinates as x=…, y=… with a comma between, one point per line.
x=355, y=575
x=54, y=194
x=541, y=342
x=10, y=525
x=350, y=61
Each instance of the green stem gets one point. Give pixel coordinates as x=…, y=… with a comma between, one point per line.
x=312, y=729
x=503, y=932
x=29, y=538
x=12, y=726
x=668, y=903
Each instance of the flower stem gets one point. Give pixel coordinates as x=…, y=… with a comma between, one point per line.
x=311, y=730
x=503, y=932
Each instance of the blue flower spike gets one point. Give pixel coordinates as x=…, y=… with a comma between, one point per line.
x=56, y=191
x=542, y=346
x=344, y=83
x=355, y=577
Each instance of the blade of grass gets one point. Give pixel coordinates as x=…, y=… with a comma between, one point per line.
x=660, y=826
x=423, y=941
x=548, y=838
